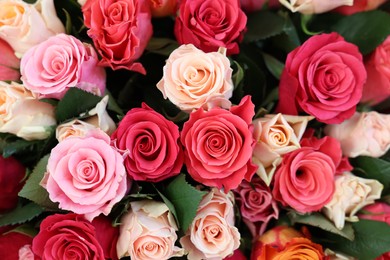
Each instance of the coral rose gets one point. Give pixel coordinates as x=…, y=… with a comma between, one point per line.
x=212, y=234
x=192, y=78
x=219, y=145
x=50, y=68
x=149, y=144
x=359, y=6
x=162, y=8
x=366, y=133
x=323, y=77
x=211, y=24
x=120, y=30
x=314, y=6
x=67, y=236
x=148, y=231
x=25, y=25
x=9, y=63
x=86, y=175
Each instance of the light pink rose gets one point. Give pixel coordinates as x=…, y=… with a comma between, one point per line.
x=9, y=63
x=22, y=114
x=86, y=175
x=25, y=25
x=366, y=133
x=377, y=87
x=148, y=231
x=257, y=205
x=120, y=30
x=50, y=68
x=193, y=78
x=314, y=6
x=212, y=234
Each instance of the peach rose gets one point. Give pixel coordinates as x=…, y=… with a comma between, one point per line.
x=24, y=25
x=366, y=133
x=193, y=78
x=22, y=114
x=314, y=6
x=212, y=234
x=275, y=136
x=351, y=194
x=148, y=231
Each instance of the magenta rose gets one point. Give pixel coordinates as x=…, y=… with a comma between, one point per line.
x=68, y=236
x=12, y=174
x=257, y=205
x=323, y=77
x=305, y=178
x=120, y=31
x=219, y=145
x=149, y=144
x=50, y=68
x=211, y=24
x=86, y=175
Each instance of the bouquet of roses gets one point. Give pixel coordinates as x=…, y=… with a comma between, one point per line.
x=214, y=129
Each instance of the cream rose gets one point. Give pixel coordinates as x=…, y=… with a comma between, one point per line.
x=351, y=194
x=193, y=78
x=24, y=25
x=95, y=118
x=275, y=135
x=314, y=6
x=148, y=231
x=366, y=133
x=22, y=114
x=212, y=234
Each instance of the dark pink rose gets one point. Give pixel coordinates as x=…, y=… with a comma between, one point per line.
x=257, y=205
x=9, y=63
x=11, y=241
x=211, y=24
x=107, y=235
x=305, y=179
x=120, y=30
x=219, y=145
x=149, y=144
x=68, y=236
x=257, y=5
x=12, y=173
x=323, y=77
x=237, y=255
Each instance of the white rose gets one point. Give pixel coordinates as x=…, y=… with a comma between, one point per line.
x=24, y=25
x=351, y=194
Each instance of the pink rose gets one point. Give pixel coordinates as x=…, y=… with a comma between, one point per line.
x=120, y=31
x=11, y=242
x=377, y=87
x=379, y=211
x=86, y=175
x=366, y=133
x=67, y=236
x=194, y=79
x=9, y=63
x=314, y=6
x=257, y=206
x=219, y=145
x=359, y=6
x=59, y=63
x=212, y=234
x=12, y=174
x=149, y=144
x=305, y=178
x=324, y=78
x=257, y=5
x=211, y=24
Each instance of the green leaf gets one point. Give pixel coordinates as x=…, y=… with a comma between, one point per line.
x=320, y=221
x=26, y=229
x=113, y=105
x=33, y=191
x=238, y=75
x=373, y=168
x=185, y=198
x=68, y=24
x=365, y=29
x=372, y=238
x=21, y=214
x=262, y=25
x=170, y=206
x=273, y=65
x=163, y=46
x=74, y=103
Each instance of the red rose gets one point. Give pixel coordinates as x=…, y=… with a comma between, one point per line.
x=11, y=175
x=324, y=78
x=107, y=235
x=68, y=236
x=211, y=24
x=150, y=145
x=219, y=145
x=120, y=30
x=11, y=241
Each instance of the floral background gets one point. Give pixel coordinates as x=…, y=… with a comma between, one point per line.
x=214, y=129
